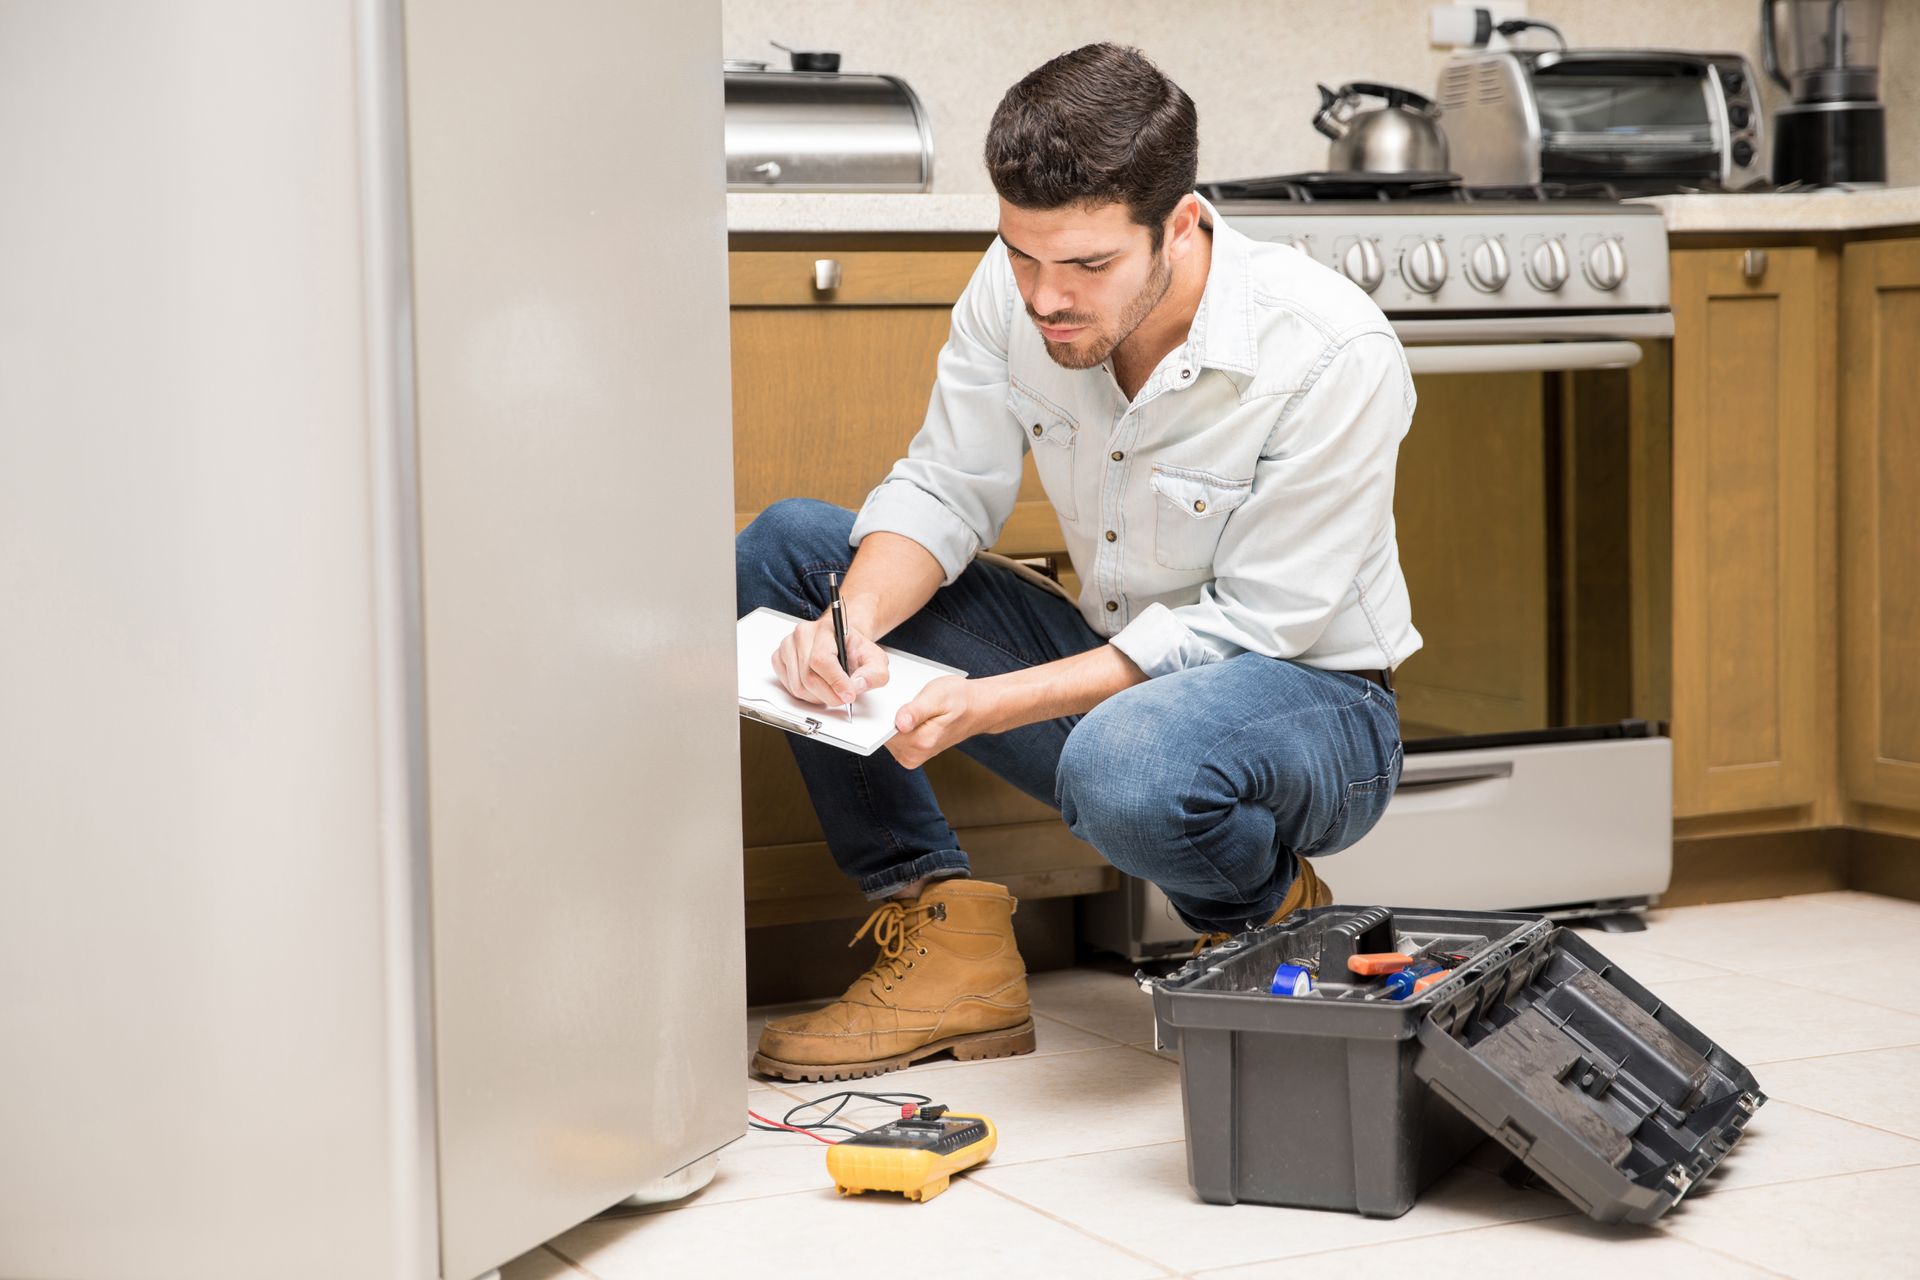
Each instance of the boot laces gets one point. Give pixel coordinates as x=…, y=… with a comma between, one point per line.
x=896, y=927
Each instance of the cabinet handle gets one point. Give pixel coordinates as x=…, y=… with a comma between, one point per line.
x=826, y=274
x=1753, y=263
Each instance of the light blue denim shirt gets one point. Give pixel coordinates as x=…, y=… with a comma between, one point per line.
x=1242, y=502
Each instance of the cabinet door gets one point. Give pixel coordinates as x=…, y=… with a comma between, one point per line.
x=1880, y=523
x=829, y=386
x=1745, y=475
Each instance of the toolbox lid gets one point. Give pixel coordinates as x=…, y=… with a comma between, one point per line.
x=1605, y=1093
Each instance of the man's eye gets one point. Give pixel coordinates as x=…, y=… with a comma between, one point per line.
x=1096, y=270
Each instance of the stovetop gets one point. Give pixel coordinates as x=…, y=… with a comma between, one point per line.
x=1426, y=244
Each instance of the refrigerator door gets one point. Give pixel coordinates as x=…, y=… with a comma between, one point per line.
x=569, y=250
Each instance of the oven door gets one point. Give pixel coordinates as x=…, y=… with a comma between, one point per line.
x=1524, y=507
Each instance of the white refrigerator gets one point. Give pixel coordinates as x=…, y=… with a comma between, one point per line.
x=370, y=889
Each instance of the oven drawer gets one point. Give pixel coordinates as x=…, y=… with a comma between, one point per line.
x=1557, y=826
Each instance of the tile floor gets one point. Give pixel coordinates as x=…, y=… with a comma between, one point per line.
x=1090, y=1177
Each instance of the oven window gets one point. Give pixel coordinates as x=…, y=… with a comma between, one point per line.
x=1633, y=107
x=1531, y=574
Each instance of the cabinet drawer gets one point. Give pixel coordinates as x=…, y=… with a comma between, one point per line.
x=868, y=278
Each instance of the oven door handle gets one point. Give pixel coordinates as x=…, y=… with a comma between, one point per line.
x=1522, y=357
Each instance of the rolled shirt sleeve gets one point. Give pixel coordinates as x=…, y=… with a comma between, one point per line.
x=1320, y=505
x=956, y=487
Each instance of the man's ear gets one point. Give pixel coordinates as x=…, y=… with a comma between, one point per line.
x=1183, y=224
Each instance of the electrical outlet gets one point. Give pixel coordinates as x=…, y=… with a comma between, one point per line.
x=1453, y=24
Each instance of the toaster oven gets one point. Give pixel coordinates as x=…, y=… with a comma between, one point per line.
x=1642, y=120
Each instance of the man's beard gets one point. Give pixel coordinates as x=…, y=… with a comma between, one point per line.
x=1090, y=351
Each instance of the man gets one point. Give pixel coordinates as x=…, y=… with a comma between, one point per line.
x=1216, y=423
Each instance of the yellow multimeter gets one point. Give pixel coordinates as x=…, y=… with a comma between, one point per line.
x=915, y=1155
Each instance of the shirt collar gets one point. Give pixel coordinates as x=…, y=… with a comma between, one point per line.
x=1221, y=335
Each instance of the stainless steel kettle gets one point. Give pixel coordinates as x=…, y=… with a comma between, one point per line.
x=1402, y=137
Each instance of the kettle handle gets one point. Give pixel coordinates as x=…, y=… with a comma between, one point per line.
x=1769, y=45
x=1323, y=118
x=1394, y=94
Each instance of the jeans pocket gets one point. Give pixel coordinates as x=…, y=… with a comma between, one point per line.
x=1359, y=809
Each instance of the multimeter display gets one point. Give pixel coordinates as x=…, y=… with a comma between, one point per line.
x=942, y=1137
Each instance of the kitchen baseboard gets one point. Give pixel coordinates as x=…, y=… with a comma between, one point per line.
x=1767, y=864
x=1881, y=863
x=1774, y=864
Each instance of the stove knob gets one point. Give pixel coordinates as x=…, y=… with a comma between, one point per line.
x=1607, y=264
x=1547, y=265
x=1487, y=266
x=1292, y=242
x=1362, y=265
x=1424, y=267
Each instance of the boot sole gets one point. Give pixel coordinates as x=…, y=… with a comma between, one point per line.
x=1006, y=1043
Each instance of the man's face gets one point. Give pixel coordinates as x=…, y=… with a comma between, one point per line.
x=1088, y=276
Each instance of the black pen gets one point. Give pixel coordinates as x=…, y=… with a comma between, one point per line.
x=840, y=632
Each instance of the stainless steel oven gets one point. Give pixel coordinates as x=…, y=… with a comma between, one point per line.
x=1530, y=503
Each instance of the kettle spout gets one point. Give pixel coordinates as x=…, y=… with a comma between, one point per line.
x=1329, y=119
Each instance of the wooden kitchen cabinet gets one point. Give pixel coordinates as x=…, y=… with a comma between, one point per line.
x=1880, y=525
x=829, y=385
x=1748, y=733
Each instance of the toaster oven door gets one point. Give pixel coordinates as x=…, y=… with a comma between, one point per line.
x=1647, y=126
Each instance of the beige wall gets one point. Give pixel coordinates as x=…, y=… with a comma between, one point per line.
x=1249, y=64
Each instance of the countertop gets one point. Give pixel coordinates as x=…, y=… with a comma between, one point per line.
x=1799, y=211
x=1794, y=211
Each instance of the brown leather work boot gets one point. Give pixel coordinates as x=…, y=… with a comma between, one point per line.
x=948, y=979
x=1307, y=890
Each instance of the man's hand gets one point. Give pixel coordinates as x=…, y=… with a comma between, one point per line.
x=809, y=669
x=947, y=711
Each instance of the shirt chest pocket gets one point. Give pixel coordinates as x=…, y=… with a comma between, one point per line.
x=1052, y=435
x=1190, y=510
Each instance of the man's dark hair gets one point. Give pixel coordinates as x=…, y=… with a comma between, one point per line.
x=1098, y=125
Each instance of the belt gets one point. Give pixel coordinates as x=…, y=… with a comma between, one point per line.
x=1380, y=676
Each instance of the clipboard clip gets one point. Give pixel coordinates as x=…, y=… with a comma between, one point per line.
x=805, y=726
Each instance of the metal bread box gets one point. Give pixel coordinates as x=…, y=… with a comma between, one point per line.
x=821, y=131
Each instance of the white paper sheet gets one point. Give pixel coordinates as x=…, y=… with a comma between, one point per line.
x=763, y=699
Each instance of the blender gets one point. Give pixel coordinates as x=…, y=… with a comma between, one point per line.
x=1834, y=132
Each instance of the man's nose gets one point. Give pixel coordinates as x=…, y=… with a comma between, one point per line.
x=1049, y=298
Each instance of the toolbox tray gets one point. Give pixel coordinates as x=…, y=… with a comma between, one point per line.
x=1537, y=1040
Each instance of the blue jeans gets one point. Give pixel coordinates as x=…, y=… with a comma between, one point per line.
x=1208, y=782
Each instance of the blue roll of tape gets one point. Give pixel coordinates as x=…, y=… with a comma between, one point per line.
x=1291, y=980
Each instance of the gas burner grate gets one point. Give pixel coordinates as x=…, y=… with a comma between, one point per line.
x=1542, y=191
x=1390, y=188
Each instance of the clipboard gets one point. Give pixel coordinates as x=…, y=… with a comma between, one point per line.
x=762, y=698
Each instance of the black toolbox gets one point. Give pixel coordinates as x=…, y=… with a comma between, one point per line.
x=1345, y=1098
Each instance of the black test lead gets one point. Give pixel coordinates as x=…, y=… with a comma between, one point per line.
x=839, y=611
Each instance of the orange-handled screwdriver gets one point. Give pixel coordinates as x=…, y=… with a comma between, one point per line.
x=1371, y=964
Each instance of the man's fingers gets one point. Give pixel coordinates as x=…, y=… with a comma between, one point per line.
x=869, y=664
x=826, y=670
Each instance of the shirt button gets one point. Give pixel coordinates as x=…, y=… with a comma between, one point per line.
x=1111, y=535
x=1199, y=506
x=1117, y=455
x=1185, y=374
x=1113, y=606
x=1036, y=428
